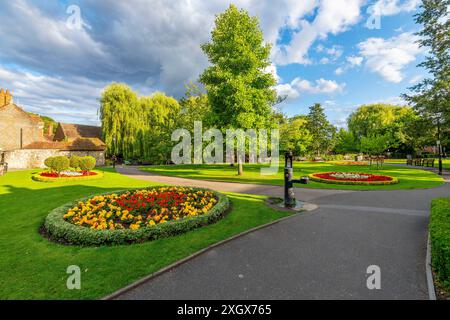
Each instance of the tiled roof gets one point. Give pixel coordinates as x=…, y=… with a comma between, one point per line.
x=80, y=144
x=75, y=131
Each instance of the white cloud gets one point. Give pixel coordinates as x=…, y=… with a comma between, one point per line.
x=339, y=71
x=334, y=16
x=299, y=86
x=393, y=7
x=355, y=60
x=73, y=99
x=352, y=62
x=388, y=57
x=415, y=79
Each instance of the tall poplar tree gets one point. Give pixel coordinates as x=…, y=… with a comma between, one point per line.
x=240, y=90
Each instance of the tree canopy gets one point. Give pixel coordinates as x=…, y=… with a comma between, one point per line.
x=240, y=91
x=431, y=97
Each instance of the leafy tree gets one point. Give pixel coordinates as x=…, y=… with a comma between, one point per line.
x=431, y=97
x=160, y=115
x=323, y=133
x=345, y=142
x=119, y=114
x=138, y=127
x=294, y=136
x=240, y=91
x=194, y=107
x=376, y=144
x=379, y=119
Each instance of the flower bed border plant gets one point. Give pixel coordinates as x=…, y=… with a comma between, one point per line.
x=349, y=182
x=60, y=230
x=39, y=178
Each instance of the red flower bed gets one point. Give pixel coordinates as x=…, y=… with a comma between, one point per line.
x=55, y=175
x=370, y=177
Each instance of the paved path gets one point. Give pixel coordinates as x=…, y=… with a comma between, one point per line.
x=320, y=255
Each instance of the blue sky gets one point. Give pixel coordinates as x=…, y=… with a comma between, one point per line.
x=323, y=51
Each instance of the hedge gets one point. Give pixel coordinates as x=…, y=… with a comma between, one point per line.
x=364, y=183
x=39, y=178
x=439, y=228
x=60, y=230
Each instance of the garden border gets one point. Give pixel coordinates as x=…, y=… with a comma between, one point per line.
x=363, y=183
x=59, y=230
x=37, y=177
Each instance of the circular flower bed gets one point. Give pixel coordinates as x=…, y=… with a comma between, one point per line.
x=135, y=215
x=353, y=178
x=351, y=163
x=48, y=176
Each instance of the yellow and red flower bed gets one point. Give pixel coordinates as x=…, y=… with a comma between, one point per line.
x=131, y=216
x=136, y=209
x=352, y=178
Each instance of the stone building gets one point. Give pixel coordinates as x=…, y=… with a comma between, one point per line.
x=23, y=143
x=17, y=128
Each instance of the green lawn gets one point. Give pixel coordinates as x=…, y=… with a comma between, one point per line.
x=408, y=178
x=34, y=268
x=445, y=162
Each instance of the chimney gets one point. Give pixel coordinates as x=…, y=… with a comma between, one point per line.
x=5, y=97
x=8, y=97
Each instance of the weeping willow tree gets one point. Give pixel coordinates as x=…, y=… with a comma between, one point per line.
x=119, y=114
x=161, y=116
x=138, y=127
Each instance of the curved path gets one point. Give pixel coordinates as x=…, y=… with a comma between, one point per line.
x=320, y=255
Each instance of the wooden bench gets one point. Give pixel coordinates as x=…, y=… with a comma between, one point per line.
x=429, y=162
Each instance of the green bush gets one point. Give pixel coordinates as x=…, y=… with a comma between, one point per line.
x=87, y=163
x=59, y=164
x=61, y=230
x=48, y=162
x=440, y=239
x=75, y=162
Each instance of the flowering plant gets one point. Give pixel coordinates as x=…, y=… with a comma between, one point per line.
x=136, y=209
x=353, y=178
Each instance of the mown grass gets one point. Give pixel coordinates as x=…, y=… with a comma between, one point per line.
x=34, y=268
x=408, y=178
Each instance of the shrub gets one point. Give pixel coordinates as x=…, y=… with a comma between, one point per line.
x=58, y=229
x=60, y=163
x=87, y=163
x=75, y=162
x=440, y=239
x=48, y=162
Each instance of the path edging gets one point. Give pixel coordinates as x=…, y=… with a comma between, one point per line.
x=430, y=281
x=190, y=257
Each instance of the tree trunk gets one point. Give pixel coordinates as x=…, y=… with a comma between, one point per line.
x=240, y=168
